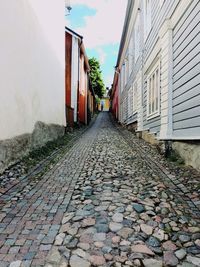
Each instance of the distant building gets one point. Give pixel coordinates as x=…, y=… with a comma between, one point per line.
x=157, y=85
x=104, y=104
x=80, y=97
x=114, y=96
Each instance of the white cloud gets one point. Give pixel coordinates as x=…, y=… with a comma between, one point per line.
x=102, y=55
x=108, y=80
x=67, y=22
x=105, y=27
x=95, y=4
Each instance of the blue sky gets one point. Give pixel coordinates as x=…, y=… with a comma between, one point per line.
x=100, y=22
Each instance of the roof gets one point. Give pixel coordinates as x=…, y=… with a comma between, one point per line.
x=129, y=9
x=82, y=47
x=73, y=32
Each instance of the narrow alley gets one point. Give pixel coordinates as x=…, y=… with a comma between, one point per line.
x=107, y=202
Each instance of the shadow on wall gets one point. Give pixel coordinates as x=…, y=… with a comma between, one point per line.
x=12, y=150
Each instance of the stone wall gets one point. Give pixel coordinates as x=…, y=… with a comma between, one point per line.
x=189, y=152
x=12, y=150
x=150, y=138
x=132, y=127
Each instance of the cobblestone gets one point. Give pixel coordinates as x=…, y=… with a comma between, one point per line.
x=103, y=204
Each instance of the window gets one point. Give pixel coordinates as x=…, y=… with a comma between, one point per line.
x=135, y=95
x=124, y=111
x=122, y=75
x=126, y=71
x=137, y=37
x=153, y=90
x=147, y=18
x=130, y=101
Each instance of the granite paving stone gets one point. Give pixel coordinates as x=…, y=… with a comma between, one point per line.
x=104, y=203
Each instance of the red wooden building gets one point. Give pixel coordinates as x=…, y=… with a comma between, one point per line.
x=78, y=89
x=114, y=96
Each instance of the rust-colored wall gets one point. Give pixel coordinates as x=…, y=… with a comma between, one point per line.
x=115, y=110
x=82, y=92
x=68, y=60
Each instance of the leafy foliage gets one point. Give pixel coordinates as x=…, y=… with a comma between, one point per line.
x=97, y=100
x=96, y=77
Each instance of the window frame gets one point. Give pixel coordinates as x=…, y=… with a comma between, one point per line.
x=130, y=108
x=124, y=110
x=135, y=96
x=154, y=103
x=122, y=74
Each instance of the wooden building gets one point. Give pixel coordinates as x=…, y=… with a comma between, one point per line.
x=159, y=65
x=114, y=96
x=76, y=79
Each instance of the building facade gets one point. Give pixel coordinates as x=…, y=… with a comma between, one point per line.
x=104, y=104
x=159, y=66
x=114, y=96
x=32, y=76
x=79, y=96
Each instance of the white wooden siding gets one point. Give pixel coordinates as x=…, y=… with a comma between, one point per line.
x=159, y=14
x=186, y=93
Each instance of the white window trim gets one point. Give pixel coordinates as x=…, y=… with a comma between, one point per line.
x=130, y=111
x=135, y=98
x=122, y=75
x=157, y=112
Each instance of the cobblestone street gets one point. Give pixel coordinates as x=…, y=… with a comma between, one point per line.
x=106, y=203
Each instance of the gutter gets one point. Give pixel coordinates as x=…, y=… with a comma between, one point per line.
x=73, y=32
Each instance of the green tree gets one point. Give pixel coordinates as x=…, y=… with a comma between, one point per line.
x=96, y=77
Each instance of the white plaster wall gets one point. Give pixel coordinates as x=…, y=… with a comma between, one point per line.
x=32, y=65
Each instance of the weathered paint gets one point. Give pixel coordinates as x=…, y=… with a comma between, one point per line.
x=115, y=96
x=68, y=68
x=82, y=92
x=77, y=80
